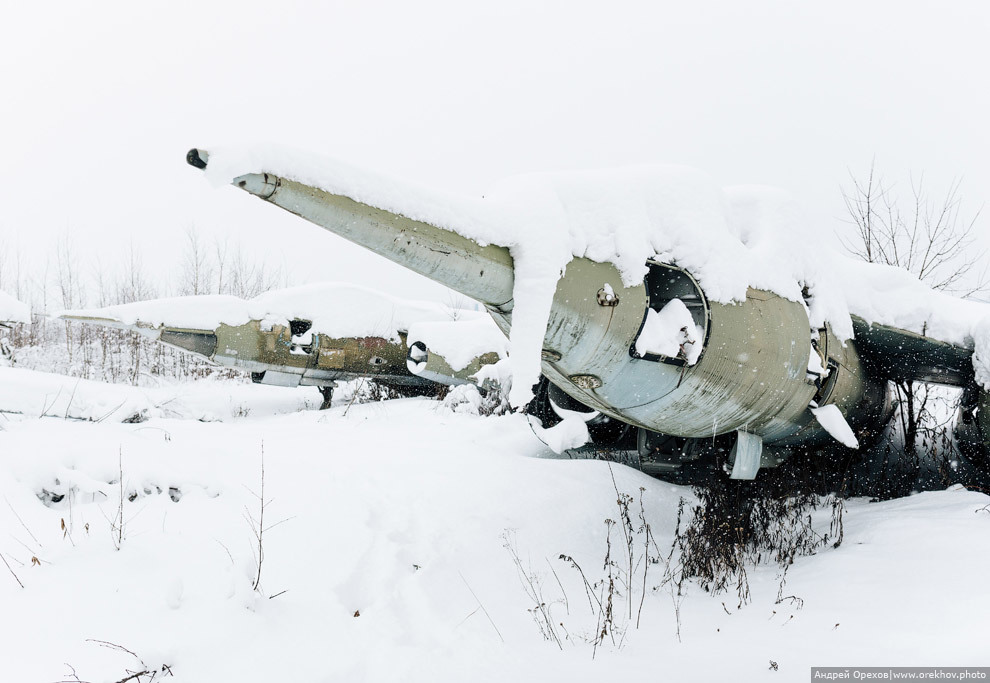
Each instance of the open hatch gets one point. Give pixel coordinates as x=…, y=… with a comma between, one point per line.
x=676, y=323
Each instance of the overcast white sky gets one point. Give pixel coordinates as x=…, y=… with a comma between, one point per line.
x=100, y=101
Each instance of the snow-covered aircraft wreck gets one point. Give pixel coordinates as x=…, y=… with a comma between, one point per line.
x=675, y=319
x=318, y=335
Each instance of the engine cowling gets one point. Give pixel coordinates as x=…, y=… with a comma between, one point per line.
x=752, y=373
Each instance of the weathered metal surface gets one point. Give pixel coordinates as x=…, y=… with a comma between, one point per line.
x=482, y=273
x=317, y=360
x=274, y=356
x=199, y=343
x=752, y=374
x=901, y=355
x=861, y=395
x=746, y=456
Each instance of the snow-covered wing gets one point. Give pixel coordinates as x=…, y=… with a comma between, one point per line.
x=12, y=310
x=333, y=308
x=902, y=355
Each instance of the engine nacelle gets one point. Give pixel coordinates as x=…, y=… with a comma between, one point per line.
x=751, y=375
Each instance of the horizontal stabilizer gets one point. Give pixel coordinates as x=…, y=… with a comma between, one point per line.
x=900, y=355
x=146, y=329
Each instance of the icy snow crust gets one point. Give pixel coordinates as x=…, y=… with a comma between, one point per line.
x=12, y=310
x=336, y=309
x=728, y=238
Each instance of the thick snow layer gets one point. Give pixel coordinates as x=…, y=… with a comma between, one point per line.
x=671, y=332
x=460, y=341
x=335, y=309
x=830, y=417
x=496, y=375
x=729, y=239
x=385, y=556
x=12, y=310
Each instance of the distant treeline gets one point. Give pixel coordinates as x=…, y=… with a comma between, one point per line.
x=61, y=280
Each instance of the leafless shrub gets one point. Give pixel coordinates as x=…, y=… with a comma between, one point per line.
x=258, y=529
x=734, y=527
x=629, y=556
x=468, y=398
x=142, y=673
x=533, y=586
x=744, y=524
x=257, y=524
x=117, y=525
x=380, y=391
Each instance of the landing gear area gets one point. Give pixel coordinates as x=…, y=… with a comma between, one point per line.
x=682, y=461
x=327, y=393
x=876, y=469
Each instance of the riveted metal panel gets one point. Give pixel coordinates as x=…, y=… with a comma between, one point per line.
x=482, y=273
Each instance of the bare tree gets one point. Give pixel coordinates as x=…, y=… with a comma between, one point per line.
x=197, y=270
x=68, y=282
x=220, y=252
x=67, y=273
x=133, y=283
x=927, y=237
x=101, y=284
x=249, y=278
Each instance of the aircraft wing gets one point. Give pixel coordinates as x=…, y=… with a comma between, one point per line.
x=150, y=330
x=263, y=336
x=202, y=342
x=900, y=355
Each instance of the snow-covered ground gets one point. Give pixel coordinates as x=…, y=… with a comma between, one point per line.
x=384, y=551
